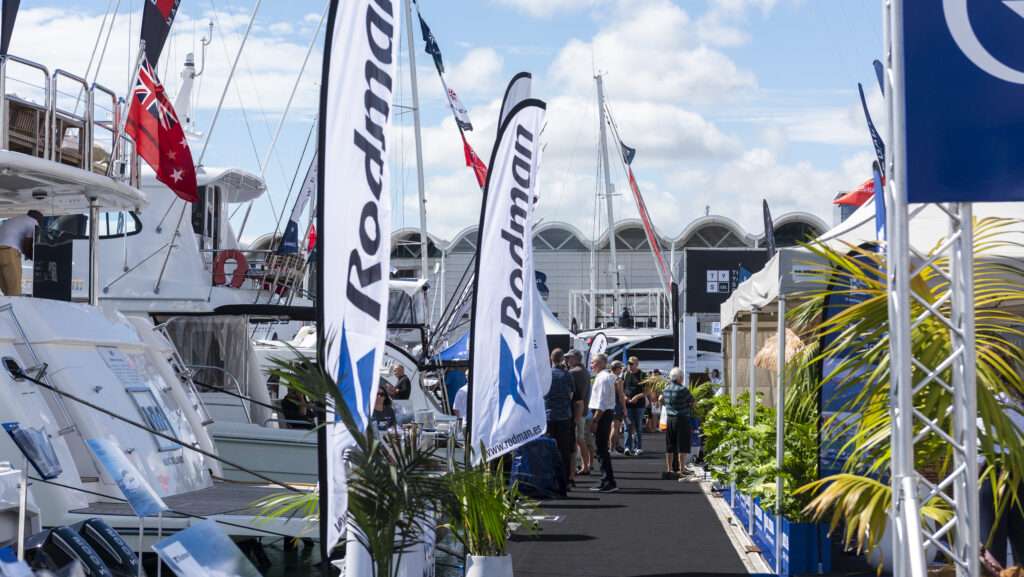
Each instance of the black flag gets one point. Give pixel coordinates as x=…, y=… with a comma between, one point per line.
x=10, y=12
x=769, y=230
x=157, y=17
x=876, y=138
x=431, y=43
x=627, y=153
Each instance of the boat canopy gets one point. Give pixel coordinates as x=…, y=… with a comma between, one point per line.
x=28, y=182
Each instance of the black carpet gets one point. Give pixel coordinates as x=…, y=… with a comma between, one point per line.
x=649, y=528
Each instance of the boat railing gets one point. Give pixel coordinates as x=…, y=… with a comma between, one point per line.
x=57, y=120
x=242, y=394
x=267, y=272
x=40, y=368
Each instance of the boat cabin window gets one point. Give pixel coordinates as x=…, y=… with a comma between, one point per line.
x=206, y=217
x=112, y=224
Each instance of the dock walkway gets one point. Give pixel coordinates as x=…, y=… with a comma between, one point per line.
x=649, y=528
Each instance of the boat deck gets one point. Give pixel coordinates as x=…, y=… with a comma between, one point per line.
x=223, y=498
x=649, y=528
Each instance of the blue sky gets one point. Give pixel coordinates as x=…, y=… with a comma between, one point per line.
x=727, y=101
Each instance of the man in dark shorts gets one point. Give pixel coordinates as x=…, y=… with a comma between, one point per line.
x=677, y=401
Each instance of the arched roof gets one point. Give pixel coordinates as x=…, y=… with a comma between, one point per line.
x=559, y=236
x=795, y=227
x=405, y=243
x=630, y=235
x=713, y=231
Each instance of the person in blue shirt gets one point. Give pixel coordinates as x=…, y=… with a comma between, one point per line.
x=558, y=409
x=454, y=379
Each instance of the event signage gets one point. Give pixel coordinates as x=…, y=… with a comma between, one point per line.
x=963, y=100
x=711, y=275
x=354, y=219
x=508, y=355
x=36, y=446
x=204, y=550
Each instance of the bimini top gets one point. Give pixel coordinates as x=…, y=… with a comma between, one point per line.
x=28, y=182
x=237, y=185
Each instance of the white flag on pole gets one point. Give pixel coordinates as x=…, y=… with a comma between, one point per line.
x=354, y=218
x=508, y=350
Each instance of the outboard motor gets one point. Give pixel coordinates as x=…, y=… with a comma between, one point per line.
x=111, y=547
x=56, y=548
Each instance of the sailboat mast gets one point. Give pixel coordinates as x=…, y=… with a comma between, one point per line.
x=608, y=194
x=419, y=146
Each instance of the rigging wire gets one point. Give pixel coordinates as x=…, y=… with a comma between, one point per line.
x=572, y=157
x=295, y=176
x=834, y=43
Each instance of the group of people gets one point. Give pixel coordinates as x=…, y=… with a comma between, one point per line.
x=584, y=418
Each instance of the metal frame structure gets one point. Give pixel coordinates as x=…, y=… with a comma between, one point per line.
x=959, y=538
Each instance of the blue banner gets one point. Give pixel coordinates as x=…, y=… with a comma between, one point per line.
x=963, y=90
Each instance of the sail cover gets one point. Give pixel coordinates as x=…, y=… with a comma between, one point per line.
x=508, y=356
x=353, y=253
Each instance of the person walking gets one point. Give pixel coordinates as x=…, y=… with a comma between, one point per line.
x=636, y=404
x=677, y=402
x=602, y=402
x=619, y=414
x=558, y=408
x=581, y=416
x=14, y=232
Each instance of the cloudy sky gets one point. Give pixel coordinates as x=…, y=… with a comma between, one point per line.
x=726, y=101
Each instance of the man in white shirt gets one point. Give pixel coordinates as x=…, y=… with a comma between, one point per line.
x=459, y=404
x=602, y=403
x=13, y=233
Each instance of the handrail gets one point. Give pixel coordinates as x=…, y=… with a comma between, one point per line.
x=9, y=308
x=5, y=131
x=85, y=138
x=184, y=376
x=238, y=387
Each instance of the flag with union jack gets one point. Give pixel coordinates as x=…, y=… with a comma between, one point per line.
x=159, y=138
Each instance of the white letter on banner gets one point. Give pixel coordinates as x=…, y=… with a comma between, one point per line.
x=509, y=353
x=355, y=242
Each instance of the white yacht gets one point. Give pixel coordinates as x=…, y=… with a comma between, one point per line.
x=77, y=372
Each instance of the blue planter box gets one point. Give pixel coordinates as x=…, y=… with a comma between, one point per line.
x=804, y=545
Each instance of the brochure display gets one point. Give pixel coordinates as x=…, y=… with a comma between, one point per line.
x=37, y=449
x=133, y=485
x=204, y=550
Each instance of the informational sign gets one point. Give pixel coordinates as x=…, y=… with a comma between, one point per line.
x=133, y=485
x=51, y=265
x=36, y=447
x=688, y=344
x=204, y=550
x=711, y=275
x=135, y=374
x=963, y=144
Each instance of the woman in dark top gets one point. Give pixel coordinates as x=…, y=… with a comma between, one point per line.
x=383, y=412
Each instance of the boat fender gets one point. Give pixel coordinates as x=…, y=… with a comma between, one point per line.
x=241, y=266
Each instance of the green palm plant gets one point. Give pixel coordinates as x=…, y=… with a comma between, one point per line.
x=394, y=487
x=858, y=340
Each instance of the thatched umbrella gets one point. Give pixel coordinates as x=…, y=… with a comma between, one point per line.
x=768, y=357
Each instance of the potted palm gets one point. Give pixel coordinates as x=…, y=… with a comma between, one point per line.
x=481, y=512
x=395, y=488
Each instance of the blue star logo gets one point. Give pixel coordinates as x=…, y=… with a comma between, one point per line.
x=350, y=381
x=510, y=377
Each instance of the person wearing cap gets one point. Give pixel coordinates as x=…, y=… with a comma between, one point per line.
x=636, y=403
x=13, y=233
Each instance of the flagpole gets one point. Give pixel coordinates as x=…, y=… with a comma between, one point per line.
x=127, y=106
x=419, y=145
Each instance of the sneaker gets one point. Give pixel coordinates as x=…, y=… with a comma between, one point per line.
x=572, y=483
x=597, y=488
x=619, y=448
x=608, y=489
x=669, y=475
x=638, y=452
x=627, y=452
x=615, y=453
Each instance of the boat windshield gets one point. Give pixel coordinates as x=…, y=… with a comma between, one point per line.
x=406, y=309
x=215, y=347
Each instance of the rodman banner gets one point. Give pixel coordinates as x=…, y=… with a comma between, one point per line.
x=508, y=354
x=354, y=220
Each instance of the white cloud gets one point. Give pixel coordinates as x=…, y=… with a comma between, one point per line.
x=479, y=72
x=549, y=8
x=281, y=28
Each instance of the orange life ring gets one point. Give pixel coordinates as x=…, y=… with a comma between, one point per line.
x=241, y=267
